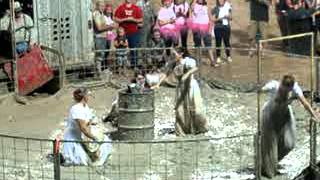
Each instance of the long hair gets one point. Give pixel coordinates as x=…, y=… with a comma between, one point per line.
x=286, y=86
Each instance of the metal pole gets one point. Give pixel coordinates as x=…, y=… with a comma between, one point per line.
x=13, y=46
x=56, y=160
x=313, y=129
x=259, y=127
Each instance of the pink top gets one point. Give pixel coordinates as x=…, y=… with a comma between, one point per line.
x=167, y=30
x=200, y=18
x=166, y=14
x=200, y=14
x=183, y=8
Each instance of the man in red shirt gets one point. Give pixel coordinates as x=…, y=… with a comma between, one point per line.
x=128, y=15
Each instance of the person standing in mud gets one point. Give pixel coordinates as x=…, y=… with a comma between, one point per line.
x=278, y=122
x=188, y=106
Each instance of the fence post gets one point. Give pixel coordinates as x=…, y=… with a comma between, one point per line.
x=313, y=127
x=13, y=47
x=258, y=156
x=56, y=159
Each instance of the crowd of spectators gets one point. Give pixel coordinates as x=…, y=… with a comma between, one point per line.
x=136, y=24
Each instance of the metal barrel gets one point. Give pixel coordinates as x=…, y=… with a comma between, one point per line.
x=136, y=115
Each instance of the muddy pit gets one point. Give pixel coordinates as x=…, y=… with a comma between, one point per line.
x=225, y=152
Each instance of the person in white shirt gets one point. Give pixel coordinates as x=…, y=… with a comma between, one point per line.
x=278, y=122
x=221, y=18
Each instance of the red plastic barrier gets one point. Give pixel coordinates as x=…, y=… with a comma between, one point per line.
x=33, y=71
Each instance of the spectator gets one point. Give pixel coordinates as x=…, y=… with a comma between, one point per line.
x=222, y=17
x=128, y=15
x=181, y=9
x=157, y=56
x=121, y=44
x=111, y=35
x=77, y=127
x=167, y=18
x=282, y=18
x=148, y=21
x=24, y=29
x=201, y=25
x=100, y=31
x=259, y=18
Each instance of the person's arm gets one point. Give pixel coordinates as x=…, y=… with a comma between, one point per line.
x=116, y=43
x=84, y=127
x=308, y=107
x=190, y=72
x=162, y=78
x=126, y=43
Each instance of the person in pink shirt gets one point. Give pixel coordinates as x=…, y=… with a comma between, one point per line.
x=166, y=20
x=181, y=9
x=201, y=24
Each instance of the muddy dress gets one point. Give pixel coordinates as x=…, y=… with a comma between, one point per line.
x=74, y=152
x=278, y=127
x=189, y=108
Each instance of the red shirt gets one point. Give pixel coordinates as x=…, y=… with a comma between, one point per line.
x=124, y=12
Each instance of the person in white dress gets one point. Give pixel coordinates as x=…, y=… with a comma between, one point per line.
x=189, y=107
x=278, y=122
x=77, y=129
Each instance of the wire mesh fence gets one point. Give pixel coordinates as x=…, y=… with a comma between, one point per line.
x=23, y=158
x=207, y=158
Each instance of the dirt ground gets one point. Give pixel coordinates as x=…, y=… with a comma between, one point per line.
x=230, y=113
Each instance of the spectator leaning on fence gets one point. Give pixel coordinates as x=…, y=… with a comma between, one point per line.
x=128, y=15
x=24, y=29
x=201, y=25
x=221, y=18
x=181, y=9
x=259, y=18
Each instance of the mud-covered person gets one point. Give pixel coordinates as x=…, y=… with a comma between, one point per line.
x=24, y=29
x=189, y=108
x=278, y=121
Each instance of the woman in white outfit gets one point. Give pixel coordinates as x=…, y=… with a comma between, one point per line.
x=278, y=122
x=189, y=109
x=77, y=128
